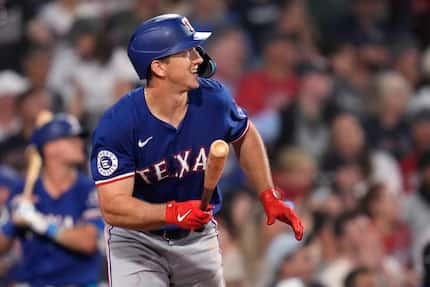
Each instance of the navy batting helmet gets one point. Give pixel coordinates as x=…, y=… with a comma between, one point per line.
x=60, y=126
x=163, y=36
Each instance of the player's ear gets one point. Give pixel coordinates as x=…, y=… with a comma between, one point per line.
x=158, y=68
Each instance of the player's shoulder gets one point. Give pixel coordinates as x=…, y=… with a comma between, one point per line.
x=121, y=114
x=212, y=90
x=211, y=85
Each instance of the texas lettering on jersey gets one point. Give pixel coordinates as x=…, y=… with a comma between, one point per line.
x=167, y=162
x=161, y=170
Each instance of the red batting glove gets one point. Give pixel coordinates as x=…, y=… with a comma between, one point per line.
x=276, y=209
x=187, y=214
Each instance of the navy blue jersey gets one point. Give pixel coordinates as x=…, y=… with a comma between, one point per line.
x=46, y=263
x=167, y=163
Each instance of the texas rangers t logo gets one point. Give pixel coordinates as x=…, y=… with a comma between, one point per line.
x=187, y=24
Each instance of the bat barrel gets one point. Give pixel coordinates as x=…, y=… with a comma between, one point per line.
x=219, y=149
x=215, y=164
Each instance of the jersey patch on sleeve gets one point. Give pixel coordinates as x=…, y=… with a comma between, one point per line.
x=107, y=162
x=240, y=112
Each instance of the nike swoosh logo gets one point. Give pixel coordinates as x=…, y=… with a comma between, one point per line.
x=141, y=144
x=181, y=218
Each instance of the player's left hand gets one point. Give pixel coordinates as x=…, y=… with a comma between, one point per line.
x=276, y=209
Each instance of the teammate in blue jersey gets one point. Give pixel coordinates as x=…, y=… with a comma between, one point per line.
x=149, y=156
x=59, y=228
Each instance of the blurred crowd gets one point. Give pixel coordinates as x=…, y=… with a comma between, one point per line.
x=339, y=90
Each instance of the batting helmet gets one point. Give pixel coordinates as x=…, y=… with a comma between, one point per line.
x=165, y=35
x=61, y=126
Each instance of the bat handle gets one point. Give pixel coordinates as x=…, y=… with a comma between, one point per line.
x=205, y=199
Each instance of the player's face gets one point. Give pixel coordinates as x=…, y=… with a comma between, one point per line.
x=69, y=150
x=182, y=69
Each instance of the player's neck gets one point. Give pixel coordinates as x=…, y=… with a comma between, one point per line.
x=58, y=178
x=166, y=105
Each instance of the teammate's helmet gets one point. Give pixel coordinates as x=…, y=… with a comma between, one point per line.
x=60, y=126
x=162, y=36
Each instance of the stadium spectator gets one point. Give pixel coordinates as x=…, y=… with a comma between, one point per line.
x=295, y=19
x=382, y=207
x=356, y=250
x=121, y=24
x=12, y=149
x=232, y=220
x=258, y=18
x=295, y=171
x=361, y=277
x=36, y=65
x=305, y=122
x=349, y=149
x=230, y=49
x=420, y=134
x=416, y=210
x=387, y=128
x=405, y=57
x=11, y=85
x=291, y=260
x=211, y=15
x=351, y=80
x=266, y=90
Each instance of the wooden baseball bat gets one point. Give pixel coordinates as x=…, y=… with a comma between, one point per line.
x=34, y=158
x=218, y=153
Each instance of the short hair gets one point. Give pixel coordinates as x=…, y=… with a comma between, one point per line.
x=373, y=194
x=351, y=277
x=289, y=158
x=342, y=220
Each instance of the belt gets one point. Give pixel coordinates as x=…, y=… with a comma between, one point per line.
x=173, y=234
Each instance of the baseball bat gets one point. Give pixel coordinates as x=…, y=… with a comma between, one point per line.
x=218, y=153
x=34, y=158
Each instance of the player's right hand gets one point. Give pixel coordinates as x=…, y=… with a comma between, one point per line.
x=21, y=208
x=25, y=214
x=187, y=214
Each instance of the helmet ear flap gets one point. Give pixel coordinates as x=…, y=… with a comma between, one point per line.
x=208, y=68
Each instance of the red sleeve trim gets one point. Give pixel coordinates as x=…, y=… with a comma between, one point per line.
x=113, y=179
x=248, y=124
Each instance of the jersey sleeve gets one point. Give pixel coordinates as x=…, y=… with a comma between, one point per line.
x=112, y=155
x=235, y=117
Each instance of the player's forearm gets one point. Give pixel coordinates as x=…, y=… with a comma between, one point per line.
x=80, y=238
x=128, y=212
x=253, y=159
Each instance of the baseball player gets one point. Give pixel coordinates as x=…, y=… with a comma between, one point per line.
x=58, y=229
x=149, y=156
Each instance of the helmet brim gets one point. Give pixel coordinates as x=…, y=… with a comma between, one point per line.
x=197, y=39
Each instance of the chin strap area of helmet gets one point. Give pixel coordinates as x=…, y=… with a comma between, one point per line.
x=208, y=68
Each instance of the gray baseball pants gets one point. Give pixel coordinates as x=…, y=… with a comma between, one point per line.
x=139, y=258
